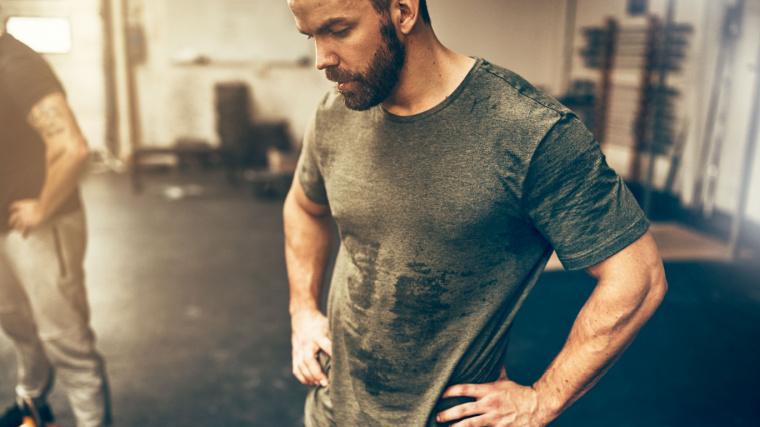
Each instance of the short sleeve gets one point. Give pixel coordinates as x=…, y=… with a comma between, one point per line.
x=576, y=200
x=308, y=172
x=28, y=78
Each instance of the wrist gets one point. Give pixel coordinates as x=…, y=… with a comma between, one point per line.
x=302, y=307
x=44, y=211
x=548, y=404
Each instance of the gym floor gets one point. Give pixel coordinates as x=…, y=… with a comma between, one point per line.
x=189, y=297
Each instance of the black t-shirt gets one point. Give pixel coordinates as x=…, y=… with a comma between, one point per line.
x=25, y=78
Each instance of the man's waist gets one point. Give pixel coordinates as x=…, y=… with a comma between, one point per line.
x=71, y=204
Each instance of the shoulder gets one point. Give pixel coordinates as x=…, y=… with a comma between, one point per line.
x=332, y=117
x=331, y=108
x=521, y=95
x=331, y=101
x=12, y=51
x=25, y=74
x=327, y=119
x=508, y=107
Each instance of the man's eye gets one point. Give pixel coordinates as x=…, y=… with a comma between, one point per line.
x=340, y=33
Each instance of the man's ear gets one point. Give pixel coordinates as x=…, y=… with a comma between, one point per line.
x=405, y=14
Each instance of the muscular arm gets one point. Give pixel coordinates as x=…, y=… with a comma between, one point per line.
x=308, y=233
x=66, y=154
x=631, y=285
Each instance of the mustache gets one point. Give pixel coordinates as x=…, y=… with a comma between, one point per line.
x=335, y=74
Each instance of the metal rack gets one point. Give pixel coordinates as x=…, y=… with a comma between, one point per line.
x=639, y=113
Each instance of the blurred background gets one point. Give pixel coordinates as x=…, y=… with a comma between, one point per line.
x=195, y=110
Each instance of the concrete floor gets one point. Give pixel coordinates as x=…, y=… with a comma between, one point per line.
x=189, y=298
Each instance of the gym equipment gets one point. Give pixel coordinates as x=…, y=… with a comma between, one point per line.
x=653, y=51
x=712, y=145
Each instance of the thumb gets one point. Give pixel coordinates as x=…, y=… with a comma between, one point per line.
x=503, y=374
x=326, y=345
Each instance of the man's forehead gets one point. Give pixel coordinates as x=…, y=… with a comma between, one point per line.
x=327, y=4
x=314, y=13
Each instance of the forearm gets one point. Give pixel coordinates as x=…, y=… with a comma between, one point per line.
x=63, y=170
x=605, y=327
x=308, y=232
x=308, y=240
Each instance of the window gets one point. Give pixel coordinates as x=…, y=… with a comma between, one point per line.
x=45, y=35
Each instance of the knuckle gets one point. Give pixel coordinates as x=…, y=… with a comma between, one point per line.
x=490, y=404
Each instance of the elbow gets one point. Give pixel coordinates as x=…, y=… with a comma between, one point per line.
x=658, y=287
x=82, y=152
x=79, y=153
x=75, y=153
x=661, y=288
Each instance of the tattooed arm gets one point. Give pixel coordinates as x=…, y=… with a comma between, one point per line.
x=66, y=154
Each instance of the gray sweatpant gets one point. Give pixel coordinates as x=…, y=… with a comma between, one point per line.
x=44, y=311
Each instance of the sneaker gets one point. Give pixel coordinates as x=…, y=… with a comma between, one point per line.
x=37, y=414
x=31, y=415
x=13, y=417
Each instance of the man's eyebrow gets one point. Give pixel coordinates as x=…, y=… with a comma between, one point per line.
x=326, y=25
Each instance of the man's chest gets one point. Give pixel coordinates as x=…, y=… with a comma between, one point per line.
x=447, y=189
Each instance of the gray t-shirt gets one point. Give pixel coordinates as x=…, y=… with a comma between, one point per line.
x=446, y=219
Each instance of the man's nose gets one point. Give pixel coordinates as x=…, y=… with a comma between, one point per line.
x=325, y=57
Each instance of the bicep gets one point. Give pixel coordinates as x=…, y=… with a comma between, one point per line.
x=297, y=199
x=576, y=200
x=633, y=275
x=53, y=119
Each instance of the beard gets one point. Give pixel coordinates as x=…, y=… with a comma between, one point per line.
x=374, y=85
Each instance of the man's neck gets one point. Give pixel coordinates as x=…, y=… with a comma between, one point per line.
x=431, y=73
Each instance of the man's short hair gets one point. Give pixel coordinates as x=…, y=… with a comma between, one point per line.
x=382, y=7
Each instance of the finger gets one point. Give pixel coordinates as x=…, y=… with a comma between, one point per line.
x=314, y=370
x=297, y=373
x=19, y=226
x=472, y=390
x=326, y=345
x=306, y=376
x=459, y=412
x=13, y=220
x=299, y=370
x=477, y=421
x=306, y=360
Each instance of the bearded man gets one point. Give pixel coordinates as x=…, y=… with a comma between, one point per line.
x=451, y=181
